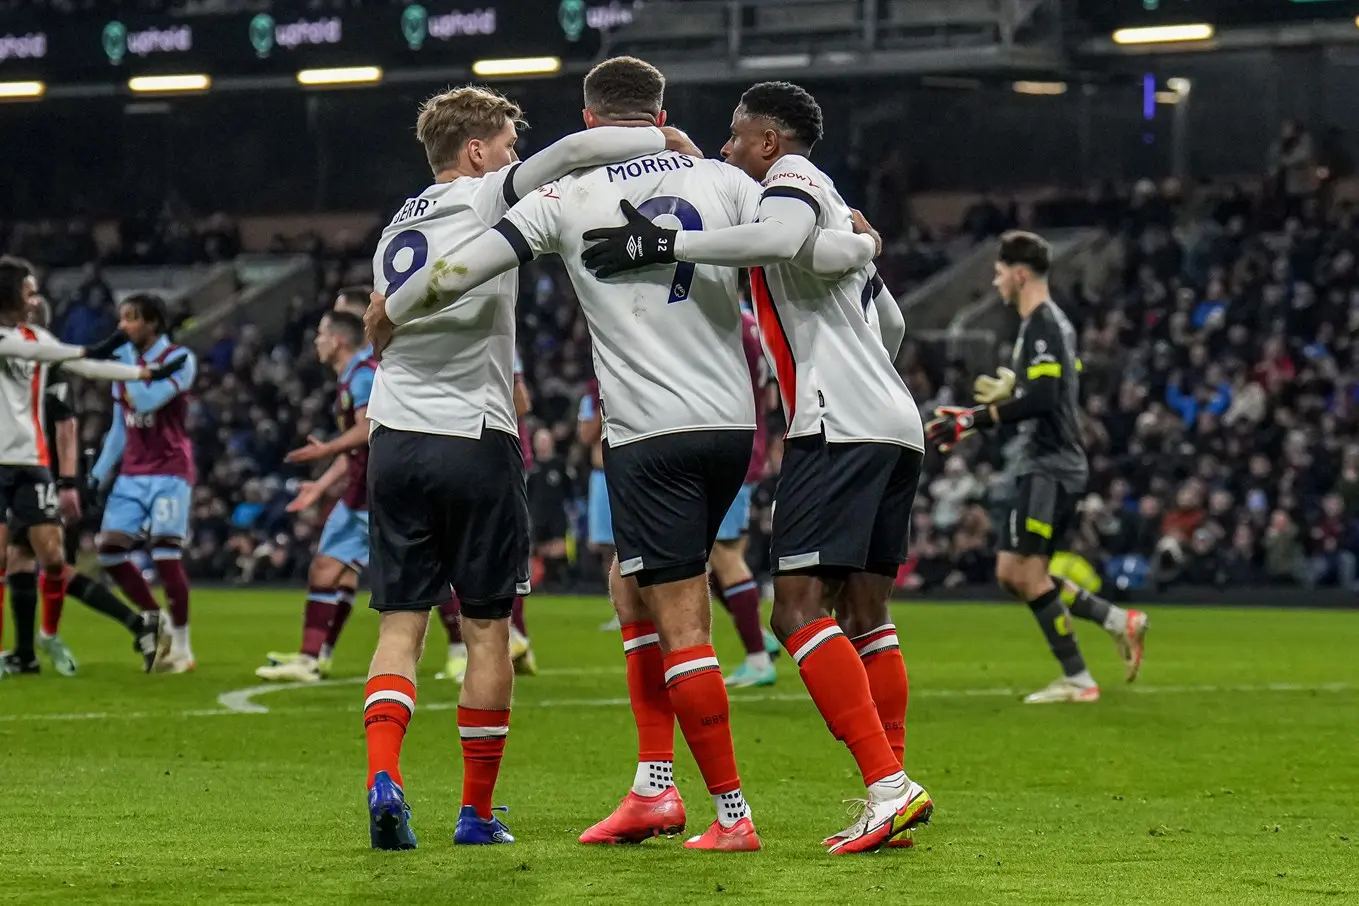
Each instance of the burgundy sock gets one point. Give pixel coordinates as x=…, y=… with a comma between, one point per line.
x=317, y=618
x=743, y=600
x=128, y=577
x=450, y=615
x=715, y=589
x=517, y=616
x=53, y=598
x=344, y=605
x=176, y=583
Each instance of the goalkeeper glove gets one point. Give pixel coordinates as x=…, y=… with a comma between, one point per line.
x=636, y=244
x=952, y=423
x=989, y=389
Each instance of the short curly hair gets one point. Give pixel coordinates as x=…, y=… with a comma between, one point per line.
x=625, y=88
x=790, y=107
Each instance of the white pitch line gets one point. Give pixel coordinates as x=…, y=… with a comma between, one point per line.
x=241, y=701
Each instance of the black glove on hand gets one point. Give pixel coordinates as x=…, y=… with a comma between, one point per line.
x=639, y=243
x=106, y=347
x=167, y=369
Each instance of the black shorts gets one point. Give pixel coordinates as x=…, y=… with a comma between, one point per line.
x=843, y=506
x=28, y=497
x=668, y=495
x=447, y=511
x=550, y=525
x=1038, y=517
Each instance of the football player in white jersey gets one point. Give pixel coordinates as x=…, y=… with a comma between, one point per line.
x=854, y=445
x=679, y=420
x=445, y=472
x=28, y=494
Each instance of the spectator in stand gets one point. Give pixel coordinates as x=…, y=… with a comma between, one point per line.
x=1293, y=167
x=1334, y=546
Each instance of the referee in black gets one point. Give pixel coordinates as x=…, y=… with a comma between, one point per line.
x=1040, y=393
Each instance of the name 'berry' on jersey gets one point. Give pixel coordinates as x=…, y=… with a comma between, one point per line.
x=667, y=339
x=833, y=373
x=451, y=372
x=157, y=442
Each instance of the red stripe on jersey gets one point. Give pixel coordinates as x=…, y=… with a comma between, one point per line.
x=775, y=340
x=35, y=400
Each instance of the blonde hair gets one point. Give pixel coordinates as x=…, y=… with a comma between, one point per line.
x=448, y=121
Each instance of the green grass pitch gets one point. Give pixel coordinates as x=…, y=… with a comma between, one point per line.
x=1227, y=774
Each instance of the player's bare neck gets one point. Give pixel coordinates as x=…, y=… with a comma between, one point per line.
x=341, y=362
x=446, y=176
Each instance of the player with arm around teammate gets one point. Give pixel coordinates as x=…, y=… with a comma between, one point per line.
x=1040, y=393
x=679, y=419
x=444, y=393
x=854, y=443
x=29, y=499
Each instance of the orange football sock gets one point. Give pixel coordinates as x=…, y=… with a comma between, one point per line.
x=699, y=698
x=646, y=692
x=886, y=668
x=389, y=702
x=483, y=735
x=834, y=675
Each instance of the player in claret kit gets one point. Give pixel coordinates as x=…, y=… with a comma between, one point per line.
x=854, y=445
x=352, y=300
x=733, y=582
x=148, y=443
x=343, y=550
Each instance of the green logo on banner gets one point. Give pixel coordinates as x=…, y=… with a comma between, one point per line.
x=415, y=25
x=115, y=41
x=262, y=34
x=571, y=15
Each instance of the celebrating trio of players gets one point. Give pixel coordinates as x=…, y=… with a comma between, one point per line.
x=435, y=491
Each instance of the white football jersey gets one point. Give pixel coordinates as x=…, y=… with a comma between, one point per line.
x=451, y=372
x=23, y=402
x=667, y=339
x=821, y=334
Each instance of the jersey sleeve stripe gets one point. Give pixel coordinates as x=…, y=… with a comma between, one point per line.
x=516, y=240
x=776, y=340
x=1045, y=369
x=511, y=196
x=793, y=192
x=35, y=400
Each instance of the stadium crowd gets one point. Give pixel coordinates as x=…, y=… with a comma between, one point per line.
x=1220, y=388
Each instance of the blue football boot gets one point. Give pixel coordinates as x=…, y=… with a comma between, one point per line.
x=475, y=830
x=389, y=818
